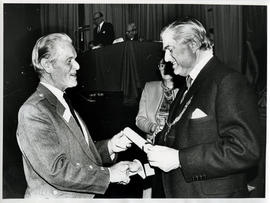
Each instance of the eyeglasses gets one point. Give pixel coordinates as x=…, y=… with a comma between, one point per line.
x=133, y=30
x=95, y=18
x=161, y=66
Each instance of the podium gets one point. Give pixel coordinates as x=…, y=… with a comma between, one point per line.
x=123, y=67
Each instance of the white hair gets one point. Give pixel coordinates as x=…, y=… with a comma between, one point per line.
x=188, y=30
x=45, y=48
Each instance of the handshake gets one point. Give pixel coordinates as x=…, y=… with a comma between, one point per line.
x=162, y=157
x=121, y=172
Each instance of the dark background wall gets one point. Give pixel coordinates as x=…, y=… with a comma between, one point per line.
x=21, y=29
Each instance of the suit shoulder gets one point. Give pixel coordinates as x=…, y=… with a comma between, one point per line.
x=33, y=101
x=221, y=71
x=153, y=84
x=108, y=23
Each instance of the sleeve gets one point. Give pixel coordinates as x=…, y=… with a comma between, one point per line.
x=142, y=120
x=46, y=156
x=102, y=147
x=95, y=42
x=110, y=34
x=236, y=147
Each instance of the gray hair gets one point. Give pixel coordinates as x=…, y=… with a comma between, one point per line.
x=45, y=48
x=188, y=30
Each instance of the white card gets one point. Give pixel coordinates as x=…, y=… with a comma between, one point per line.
x=134, y=137
x=149, y=171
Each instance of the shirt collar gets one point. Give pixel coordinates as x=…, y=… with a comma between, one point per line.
x=199, y=66
x=100, y=25
x=58, y=93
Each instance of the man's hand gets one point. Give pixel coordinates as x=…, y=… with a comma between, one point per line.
x=163, y=157
x=135, y=167
x=119, y=173
x=119, y=143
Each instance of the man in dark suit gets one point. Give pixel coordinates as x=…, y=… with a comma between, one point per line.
x=211, y=136
x=59, y=156
x=103, y=32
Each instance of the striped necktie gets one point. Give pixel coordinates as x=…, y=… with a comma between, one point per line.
x=188, y=81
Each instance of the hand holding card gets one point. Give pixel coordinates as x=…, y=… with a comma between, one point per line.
x=135, y=138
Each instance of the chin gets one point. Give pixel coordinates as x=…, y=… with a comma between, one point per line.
x=73, y=84
x=177, y=72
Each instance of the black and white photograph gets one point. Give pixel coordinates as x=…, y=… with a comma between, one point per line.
x=134, y=100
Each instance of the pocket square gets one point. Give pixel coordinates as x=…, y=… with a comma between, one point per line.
x=198, y=113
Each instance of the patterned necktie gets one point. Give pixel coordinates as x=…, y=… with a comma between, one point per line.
x=72, y=110
x=188, y=81
x=188, y=84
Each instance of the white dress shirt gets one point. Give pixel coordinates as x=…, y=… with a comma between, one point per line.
x=207, y=55
x=59, y=95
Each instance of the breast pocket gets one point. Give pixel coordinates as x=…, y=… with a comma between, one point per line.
x=202, y=130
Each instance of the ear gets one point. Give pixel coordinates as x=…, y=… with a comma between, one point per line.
x=194, y=45
x=47, y=65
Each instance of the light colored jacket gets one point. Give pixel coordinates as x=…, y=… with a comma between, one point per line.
x=151, y=99
x=57, y=161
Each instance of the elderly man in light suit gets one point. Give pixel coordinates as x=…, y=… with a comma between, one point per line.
x=60, y=158
x=211, y=136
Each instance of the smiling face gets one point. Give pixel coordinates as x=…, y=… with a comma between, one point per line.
x=64, y=67
x=179, y=53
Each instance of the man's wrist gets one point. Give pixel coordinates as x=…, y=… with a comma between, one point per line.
x=110, y=147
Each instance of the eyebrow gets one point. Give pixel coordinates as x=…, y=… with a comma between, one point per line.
x=70, y=57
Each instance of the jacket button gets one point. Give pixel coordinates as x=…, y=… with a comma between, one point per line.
x=41, y=95
x=91, y=167
x=55, y=192
x=77, y=164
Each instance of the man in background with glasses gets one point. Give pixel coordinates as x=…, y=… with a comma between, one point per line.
x=103, y=32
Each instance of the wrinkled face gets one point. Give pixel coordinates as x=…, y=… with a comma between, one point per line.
x=131, y=31
x=180, y=54
x=65, y=67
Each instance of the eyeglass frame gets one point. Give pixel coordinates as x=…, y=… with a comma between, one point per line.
x=133, y=30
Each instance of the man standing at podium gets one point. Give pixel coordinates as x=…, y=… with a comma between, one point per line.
x=103, y=32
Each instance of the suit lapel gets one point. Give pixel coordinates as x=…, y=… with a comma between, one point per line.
x=179, y=108
x=91, y=145
x=71, y=124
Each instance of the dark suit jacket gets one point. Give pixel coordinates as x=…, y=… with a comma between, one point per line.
x=105, y=36
x=214, y=150
x=57, y=160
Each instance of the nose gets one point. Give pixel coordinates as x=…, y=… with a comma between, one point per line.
x=75, y=65
x=167, y=56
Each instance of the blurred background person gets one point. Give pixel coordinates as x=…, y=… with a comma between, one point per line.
x=132, y=32
x=154, y=106
x=130, y=35
x=103, y=32
x=155, y=102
